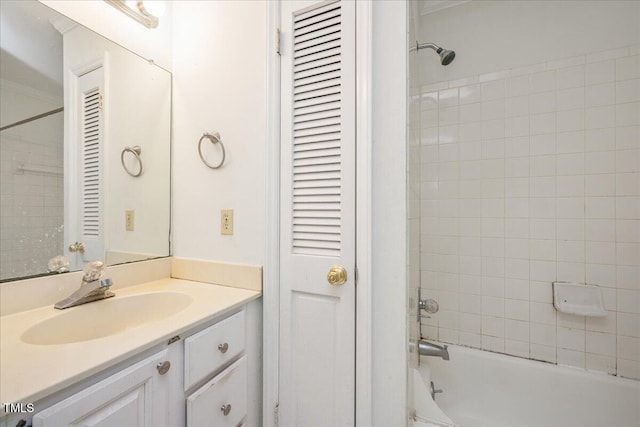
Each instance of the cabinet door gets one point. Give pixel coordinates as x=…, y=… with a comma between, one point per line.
x=222, y=402
x=135, y=396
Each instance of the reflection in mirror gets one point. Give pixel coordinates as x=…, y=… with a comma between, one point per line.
x=72, y=103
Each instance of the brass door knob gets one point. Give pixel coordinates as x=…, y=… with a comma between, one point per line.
x=77, y=247
x=337, y=275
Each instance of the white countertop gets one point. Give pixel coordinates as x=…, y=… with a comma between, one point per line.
x=31, y=372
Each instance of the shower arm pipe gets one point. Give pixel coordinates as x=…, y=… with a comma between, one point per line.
x=419, y=46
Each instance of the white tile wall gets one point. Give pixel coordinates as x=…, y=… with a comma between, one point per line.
x=530, y=176
x=31, y=204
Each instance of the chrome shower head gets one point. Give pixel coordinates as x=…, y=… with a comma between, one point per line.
x=446, y=56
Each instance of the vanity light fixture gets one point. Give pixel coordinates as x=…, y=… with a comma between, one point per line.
x=145, y=12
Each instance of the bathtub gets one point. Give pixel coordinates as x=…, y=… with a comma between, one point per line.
x=482, y=389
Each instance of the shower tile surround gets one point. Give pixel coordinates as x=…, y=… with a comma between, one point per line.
x=529, y=176
x=32, y=209
x=31, y=206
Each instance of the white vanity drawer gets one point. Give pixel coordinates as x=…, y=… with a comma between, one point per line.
x=222, y=402
x=209, y=349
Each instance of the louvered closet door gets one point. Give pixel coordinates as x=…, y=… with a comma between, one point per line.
x=90, y=149
x=317, y=319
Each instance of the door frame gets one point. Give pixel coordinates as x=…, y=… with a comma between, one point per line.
x=271, y=274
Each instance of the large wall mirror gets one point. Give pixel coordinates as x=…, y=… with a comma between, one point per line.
x=85, y=147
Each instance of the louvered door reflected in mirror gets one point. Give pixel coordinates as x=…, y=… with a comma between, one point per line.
x=90, y=184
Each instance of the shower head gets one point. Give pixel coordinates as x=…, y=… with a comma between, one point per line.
x=446, y=56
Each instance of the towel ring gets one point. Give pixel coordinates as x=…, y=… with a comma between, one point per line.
x=215, y=139
x=135, y=150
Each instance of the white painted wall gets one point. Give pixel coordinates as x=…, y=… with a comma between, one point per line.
x=389, y=266
x=220, y=74
x=155, y=44
x=219, y=85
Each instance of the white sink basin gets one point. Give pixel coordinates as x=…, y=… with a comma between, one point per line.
x=107, y=317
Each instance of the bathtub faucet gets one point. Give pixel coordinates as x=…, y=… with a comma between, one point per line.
x=426, y=348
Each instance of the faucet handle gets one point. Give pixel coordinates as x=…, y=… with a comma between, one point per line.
x=429, y=305
x=92, y=271
x=106, y=283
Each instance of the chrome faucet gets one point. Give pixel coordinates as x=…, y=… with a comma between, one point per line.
x=92, y=287
x=426, y=348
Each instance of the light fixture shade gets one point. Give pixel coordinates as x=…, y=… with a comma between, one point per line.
x=137, y=11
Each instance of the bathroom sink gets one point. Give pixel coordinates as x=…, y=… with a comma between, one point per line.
x=106, y=317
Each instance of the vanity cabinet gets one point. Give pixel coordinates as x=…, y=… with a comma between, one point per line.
x=135, y=396
x=213, y=379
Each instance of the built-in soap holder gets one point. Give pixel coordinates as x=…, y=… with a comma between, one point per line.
x=579, y=299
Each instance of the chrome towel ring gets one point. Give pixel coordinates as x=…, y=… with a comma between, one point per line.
x=135, y=150
x=215, y=139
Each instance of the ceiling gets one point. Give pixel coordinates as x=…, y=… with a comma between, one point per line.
x=30, y=46
x=430, y=6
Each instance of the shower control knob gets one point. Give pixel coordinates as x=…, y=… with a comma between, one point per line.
x=429, y=305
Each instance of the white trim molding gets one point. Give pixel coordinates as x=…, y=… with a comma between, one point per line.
x=271, y=273
x=364, y=33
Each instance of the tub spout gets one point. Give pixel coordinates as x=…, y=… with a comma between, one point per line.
x=426, y=348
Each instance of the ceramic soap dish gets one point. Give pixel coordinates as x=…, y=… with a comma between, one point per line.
x=578, y=298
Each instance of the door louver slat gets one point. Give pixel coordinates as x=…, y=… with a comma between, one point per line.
x=303, y=113
x=313, y=177
x=320, y=112
x=319, y=183
x=316, y=103
x=329, y=37
x=301, y=53
x=316, y=126
x=324, y=54
x=317, y=22
x=317, y=146
x=306, y=154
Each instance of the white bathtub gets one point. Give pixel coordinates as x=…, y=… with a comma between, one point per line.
x=483, y=389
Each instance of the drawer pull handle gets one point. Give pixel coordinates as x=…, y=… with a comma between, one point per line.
x=163, y=367
x=223, y=348
x=226, y=409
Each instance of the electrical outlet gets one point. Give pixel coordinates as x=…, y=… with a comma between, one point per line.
x=129, y=220
x=226, y=221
